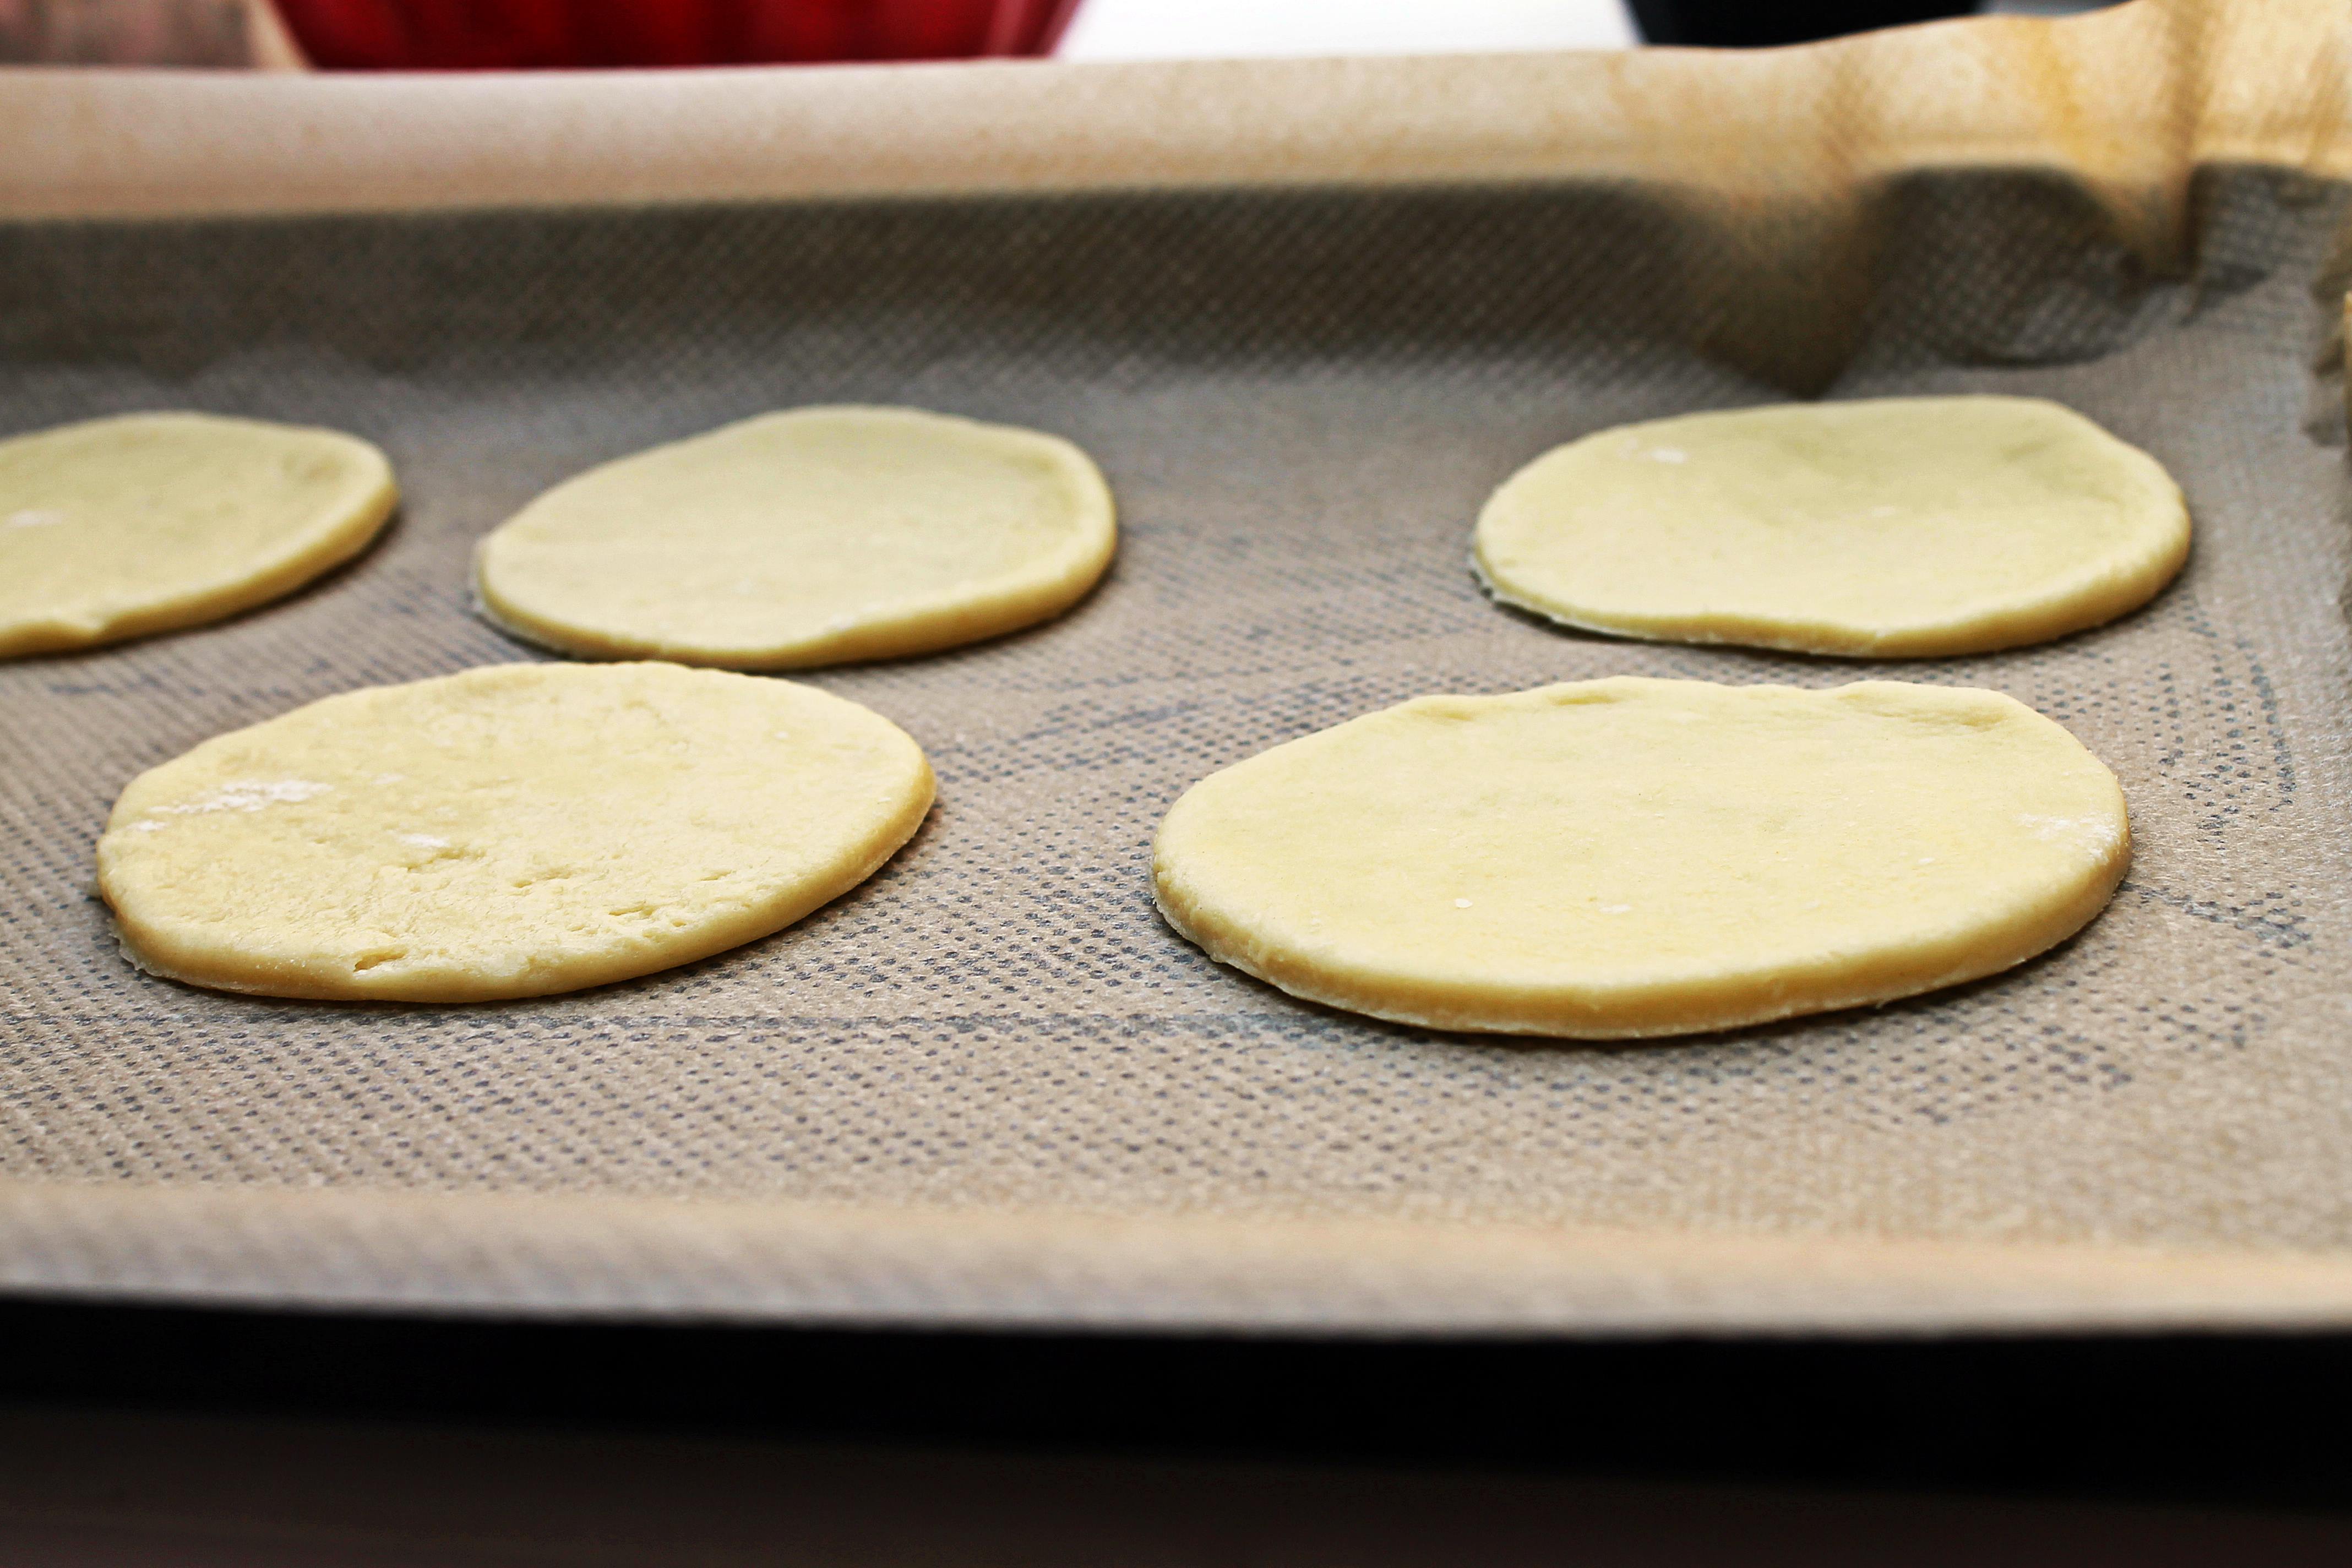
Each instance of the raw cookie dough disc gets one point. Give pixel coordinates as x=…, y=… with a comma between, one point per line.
x=1902, y=528
x=1616, y=859
x=810, y=537
x=507, y=832
x=117, y=528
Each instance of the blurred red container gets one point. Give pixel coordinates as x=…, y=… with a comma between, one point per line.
x=536, y=35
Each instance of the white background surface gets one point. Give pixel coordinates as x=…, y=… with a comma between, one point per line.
x=1161, y=29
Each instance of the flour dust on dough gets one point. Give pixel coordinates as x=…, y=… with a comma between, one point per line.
x=510, y=831
x=149, y=522
x=1896, y=528
x=1623, y=858
x=810, y=537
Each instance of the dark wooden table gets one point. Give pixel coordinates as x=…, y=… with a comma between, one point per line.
x=199, y=1438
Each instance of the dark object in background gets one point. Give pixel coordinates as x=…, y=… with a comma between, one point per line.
x=1760, y=23
x=184, y=33
x=529, y=35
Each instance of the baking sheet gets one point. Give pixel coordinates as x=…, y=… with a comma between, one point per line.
x=989, y=1086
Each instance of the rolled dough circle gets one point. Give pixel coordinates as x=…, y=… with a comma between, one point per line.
x=1621, y=858
x=1896, y=528
x=511, y=831
x=814, y=536
x=147, y=522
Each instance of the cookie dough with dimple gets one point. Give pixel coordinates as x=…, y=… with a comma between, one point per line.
x=511, y=831
x=810, y=537
x=1625, y=858
x=1896, y=528
x=148, y=522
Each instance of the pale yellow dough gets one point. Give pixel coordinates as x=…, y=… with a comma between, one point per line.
x=1898, y=527
x=147, y=522
x=810, y=537
x=1619, y=859
x=507, y=832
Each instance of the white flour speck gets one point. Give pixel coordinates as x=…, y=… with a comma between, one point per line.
x=1461, y=903
x=423, y=840
x=35, y=517
x=2091, y=835
x=1667, y=455
x=246, y=796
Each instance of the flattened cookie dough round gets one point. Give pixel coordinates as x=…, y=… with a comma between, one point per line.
x=1899, y=528
x=816, y=536
x=116, y=528
x=507, y=832
x=1612, y=859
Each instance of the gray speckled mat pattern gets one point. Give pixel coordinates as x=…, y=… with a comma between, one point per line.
x=1300, y=400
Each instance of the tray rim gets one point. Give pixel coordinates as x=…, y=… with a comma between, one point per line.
x=575, y=1256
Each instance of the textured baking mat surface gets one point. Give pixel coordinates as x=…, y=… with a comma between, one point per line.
x=1300, y=400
